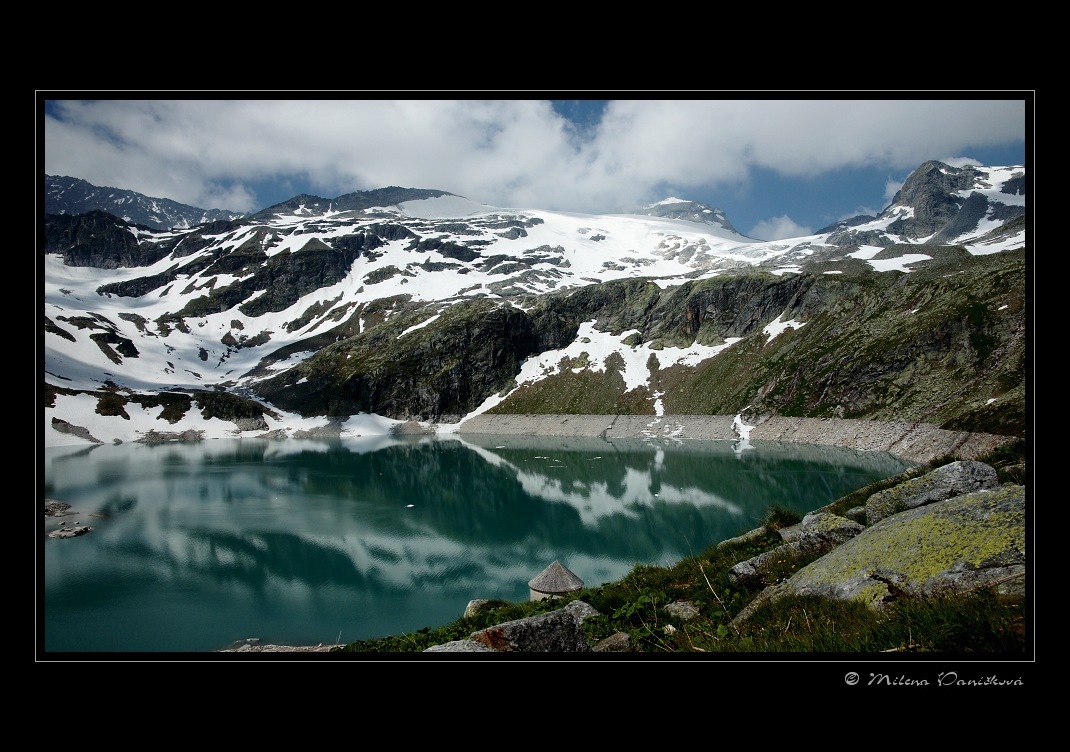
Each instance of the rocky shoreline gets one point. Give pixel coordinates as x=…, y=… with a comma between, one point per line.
x=916, y=442
x=254, y=648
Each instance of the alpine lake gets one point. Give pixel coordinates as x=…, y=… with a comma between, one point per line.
x=201, y=546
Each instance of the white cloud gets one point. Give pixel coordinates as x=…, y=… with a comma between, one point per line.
x=778, y=228
x=891, y=187
x=960, y=161
x=505, y=152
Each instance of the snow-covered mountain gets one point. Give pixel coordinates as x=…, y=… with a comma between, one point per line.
x=692, y=211
x=65, y=195
x=400, y=305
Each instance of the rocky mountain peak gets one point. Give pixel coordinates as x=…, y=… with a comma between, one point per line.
x=941, y=204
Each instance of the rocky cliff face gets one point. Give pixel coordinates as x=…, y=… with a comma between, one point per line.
x=99, y=240
x=439, y=372
x=943, y=345
x=945, y=200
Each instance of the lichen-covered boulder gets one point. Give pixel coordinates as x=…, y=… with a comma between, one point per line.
x=943, y=483
x=817, y=533
x=950, y=546
x=820, y=528
x=682, y=610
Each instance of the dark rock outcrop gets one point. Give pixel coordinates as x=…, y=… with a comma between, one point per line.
x=931, y=191
x=97, y=239
x=819, y=532
x=81, y=432
x=444, y=369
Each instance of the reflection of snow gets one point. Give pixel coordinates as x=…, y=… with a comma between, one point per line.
x=743, y=432
x=595, y=500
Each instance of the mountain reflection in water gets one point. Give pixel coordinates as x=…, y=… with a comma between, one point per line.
x=198, y=545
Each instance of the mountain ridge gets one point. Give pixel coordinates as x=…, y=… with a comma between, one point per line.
x=67, y=195
x=410, y=305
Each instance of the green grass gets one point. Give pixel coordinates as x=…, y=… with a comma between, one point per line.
x=981, y=622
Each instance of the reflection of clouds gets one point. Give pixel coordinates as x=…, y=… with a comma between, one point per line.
x=255, y=562
x=435, y=560
x=277, y=449
x=591, y=500
x=594, y=500
x=242, y=521
x=225, y=543
x=190, y=547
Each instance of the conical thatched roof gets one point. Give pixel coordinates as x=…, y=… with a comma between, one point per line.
x=555, y=579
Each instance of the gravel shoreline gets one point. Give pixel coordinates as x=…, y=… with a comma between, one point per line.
x=916, y=442
x=250, y=648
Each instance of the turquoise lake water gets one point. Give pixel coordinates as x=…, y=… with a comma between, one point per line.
x=196, y=547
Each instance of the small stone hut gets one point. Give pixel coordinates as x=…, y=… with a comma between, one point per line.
x=553, y=582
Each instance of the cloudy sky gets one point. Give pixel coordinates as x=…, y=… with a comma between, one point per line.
x=778, y=168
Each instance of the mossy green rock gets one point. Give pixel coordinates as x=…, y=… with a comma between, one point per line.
x=956, y=545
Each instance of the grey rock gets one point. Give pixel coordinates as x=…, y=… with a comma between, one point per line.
x=818, y=532
x=951, y=546
x=162, y=437
x=411, y=428
x=54, y=508
x=820, y=528
x=753, y=572
x=556, y=631
x=857, y=514
x=460, y=646
x=80, y=431
x=619, y=642
x=943, y=483
x=474, y=607
x=682, y=610
x=70, y=532
x=743, y=538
